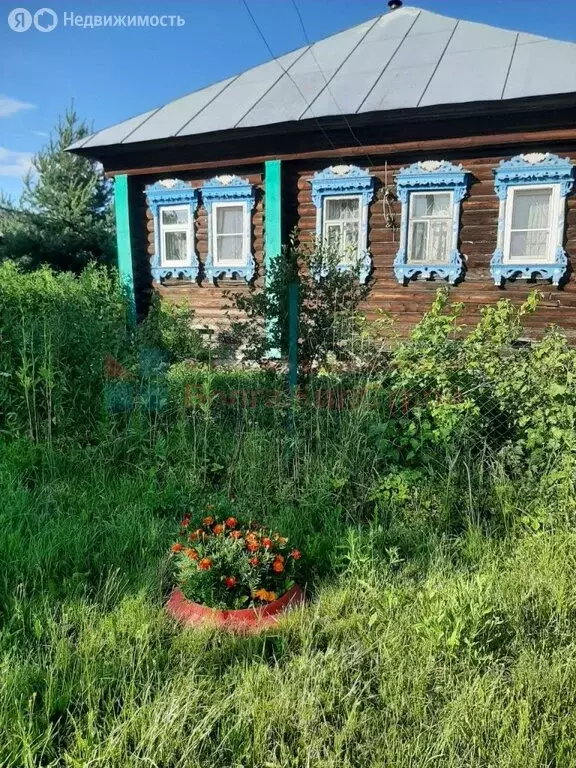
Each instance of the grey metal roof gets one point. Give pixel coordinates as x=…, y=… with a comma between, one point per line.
x=403, y=59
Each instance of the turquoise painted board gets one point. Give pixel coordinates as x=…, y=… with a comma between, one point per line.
x=273, y=238
x=123, y=240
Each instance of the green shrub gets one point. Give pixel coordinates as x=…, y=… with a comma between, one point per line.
x=55, y=332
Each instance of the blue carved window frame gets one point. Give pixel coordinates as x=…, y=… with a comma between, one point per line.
x=532, y=170
x=169, y=193
x=342, y=181
x=229, y=190
x=430, y=176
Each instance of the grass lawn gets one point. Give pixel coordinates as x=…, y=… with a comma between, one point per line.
x=463, y=655
x=437, y=519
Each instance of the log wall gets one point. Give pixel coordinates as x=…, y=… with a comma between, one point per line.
x=478, y=237
x=478, y=233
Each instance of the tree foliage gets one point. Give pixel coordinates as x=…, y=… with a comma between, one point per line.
x=64, y=218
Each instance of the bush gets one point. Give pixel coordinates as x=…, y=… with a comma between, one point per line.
x=329, y=298
x=170, y=328
x=55, y=332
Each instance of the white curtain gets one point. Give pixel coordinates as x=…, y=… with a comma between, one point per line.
x=431, y=217
x=176, y=246
x=229, y=234
x=342, y=229
x=530, y=224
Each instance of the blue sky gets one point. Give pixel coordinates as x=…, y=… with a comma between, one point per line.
x=115, y=72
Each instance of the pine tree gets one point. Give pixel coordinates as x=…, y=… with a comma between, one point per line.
x=65, y=217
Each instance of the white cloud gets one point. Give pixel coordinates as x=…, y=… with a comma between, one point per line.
x=14, y=163
x=42, y=134
x=9, y=106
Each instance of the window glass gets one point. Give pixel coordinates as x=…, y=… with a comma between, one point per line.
x=342, y=208
x=230, y=234
x=229, y=248
x=174, y=216
x=433, y=204
x=342, y=227
x=530, y=230
x=176, y=246
x=430, y=227
x=230, y=220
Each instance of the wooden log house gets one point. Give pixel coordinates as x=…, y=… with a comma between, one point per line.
x=430, y=150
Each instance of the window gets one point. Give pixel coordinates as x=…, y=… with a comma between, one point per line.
x=229, y=233
x=176, y=235
x=431, y=193
x=342, y=195
x=173, y=203
x=430, y=227
x=532, y=190
x=342, y=220
x=529, y=224
x=229, y=201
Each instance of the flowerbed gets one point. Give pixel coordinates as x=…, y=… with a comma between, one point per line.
x=226, y=565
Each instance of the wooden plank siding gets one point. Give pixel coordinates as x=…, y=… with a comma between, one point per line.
x=478, y=233
x=206, y=299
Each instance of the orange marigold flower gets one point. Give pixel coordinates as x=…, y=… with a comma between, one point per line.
x=230, y=582
x=208, y=520
x=230, y=522
x=186, y=521
x=267, y=543
x=260, y=594
x=278, y=566
x=205, y=564
x=177, y=547
x=218, y=529
x=194, y=535
x=191, y=553
x=296, y=554
x=254, y=562
x=236, y=534
x=252, y=546
x=270, y=597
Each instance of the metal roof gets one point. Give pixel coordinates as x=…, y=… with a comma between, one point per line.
x=404, y=59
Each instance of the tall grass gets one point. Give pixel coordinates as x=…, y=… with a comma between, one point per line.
x=55, y=332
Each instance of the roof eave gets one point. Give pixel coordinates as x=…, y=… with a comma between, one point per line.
x=553, y=109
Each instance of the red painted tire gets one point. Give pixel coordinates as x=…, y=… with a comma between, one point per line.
x=246, y=620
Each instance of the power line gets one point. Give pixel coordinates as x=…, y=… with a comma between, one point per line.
x=263, y=36
x=356, y=139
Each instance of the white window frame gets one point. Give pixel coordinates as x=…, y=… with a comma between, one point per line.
x=246, y=224
x=448, y=218
x=361, y=225
x=555, y=203
x=186, y=228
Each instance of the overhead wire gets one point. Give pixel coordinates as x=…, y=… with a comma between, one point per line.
x=287, y=73
x=342, y=113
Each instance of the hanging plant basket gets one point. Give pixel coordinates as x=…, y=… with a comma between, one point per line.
x=243, y=621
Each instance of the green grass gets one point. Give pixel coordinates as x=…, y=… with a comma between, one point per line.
x=435, y=650
x=437, y=520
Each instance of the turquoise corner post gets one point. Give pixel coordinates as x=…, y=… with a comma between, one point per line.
x=124, y=242
x=273, y=241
